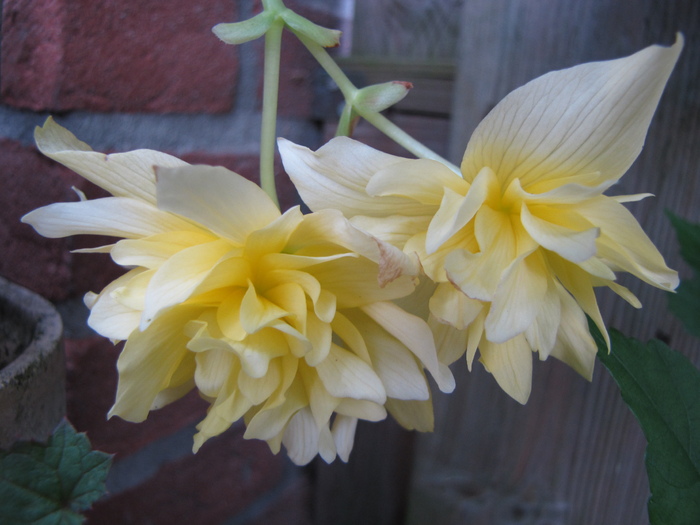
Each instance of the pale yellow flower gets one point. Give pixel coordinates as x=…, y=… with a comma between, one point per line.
x=518, y=242
x=275, y=318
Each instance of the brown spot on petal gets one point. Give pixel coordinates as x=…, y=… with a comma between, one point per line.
x=389, y=265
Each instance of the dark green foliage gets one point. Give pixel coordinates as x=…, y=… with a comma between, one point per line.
x=50, y=484
x=662, y=388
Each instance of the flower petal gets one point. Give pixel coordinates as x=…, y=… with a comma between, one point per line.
x=412, y=415
x=121, y=174
x=575, y=345
x=415, y=334
x=422, y=180
x=510, y=363
x=575, y=246
x=148, y=362
x=395, y=365
x=109, y=316
x=624, y=243
x=113, y=216
x=517, y=299
x=451, y=306
x=336, y=176
x=344, y=435
x=180, y=275
x=589, y=118
x=217, y=198
x=457, y=210
x=346, y=375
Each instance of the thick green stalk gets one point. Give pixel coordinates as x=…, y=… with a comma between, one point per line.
x=268, y=132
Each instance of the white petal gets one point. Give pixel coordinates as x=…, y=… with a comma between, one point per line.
x=589, y=118
x=575, y=345
x=345, y=375
x=301, y=438
x=415, y=334
x=148, y=362
x=451, y=343
x=214, y=368
x=575, y=246
x=109, y=317
x=395, y=230
x=217, y=198
x=457, y=210
x=422, y=180
x=122, y=174
x=336, y=176
x=412, y=415
x=113, y=216
x=344, y=435
x=395, y=365
x=517, y=299
x=451, y=306
x=624, y=243
x=511, y=365
x=542, y=333
x=180, y=275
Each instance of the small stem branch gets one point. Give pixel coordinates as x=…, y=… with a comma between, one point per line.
x=273, y=45
x=345, y=122
x=379, y=121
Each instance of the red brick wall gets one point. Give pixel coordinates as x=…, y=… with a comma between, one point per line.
x=113, y=72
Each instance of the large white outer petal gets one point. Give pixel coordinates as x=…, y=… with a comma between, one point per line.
x=336, y=176
x=127, y=174
x=217, y=198
x=113, y=216
x=589, y=118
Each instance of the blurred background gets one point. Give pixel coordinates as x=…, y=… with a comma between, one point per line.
x=128, y=74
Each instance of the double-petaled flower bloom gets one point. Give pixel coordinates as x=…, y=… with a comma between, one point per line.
x=517, y=243
x=275, y=318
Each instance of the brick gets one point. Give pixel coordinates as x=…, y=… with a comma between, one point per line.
x=126, y=55
x=45, y=266
x=220, y=481
x=249, y=167
x=29, y=180
x=91, y=383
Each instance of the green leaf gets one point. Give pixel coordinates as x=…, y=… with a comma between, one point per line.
x=685, y=303
x=50, y=484
x=662, y=388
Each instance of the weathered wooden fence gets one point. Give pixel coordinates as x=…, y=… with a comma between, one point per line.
x=574, y=454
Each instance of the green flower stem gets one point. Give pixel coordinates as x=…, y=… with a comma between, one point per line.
x=273, y=46
x=379, y=121
x=276, y=6
x=345, y=123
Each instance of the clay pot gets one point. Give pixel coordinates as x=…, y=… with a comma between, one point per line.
x=32, y=366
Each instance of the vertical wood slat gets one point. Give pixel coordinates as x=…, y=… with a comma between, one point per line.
x=574, y=453
x=416, y=29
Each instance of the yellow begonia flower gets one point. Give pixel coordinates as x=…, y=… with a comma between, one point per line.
x=517, y=244
x=275, y=318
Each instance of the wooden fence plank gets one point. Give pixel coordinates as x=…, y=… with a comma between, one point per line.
x=574, y=454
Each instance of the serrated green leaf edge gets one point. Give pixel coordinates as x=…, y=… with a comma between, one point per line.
x=685, y=303
x=662, y=388
x=50, y=483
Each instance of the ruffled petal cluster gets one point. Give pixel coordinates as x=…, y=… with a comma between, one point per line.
x=517, y=242
x=276, y=319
